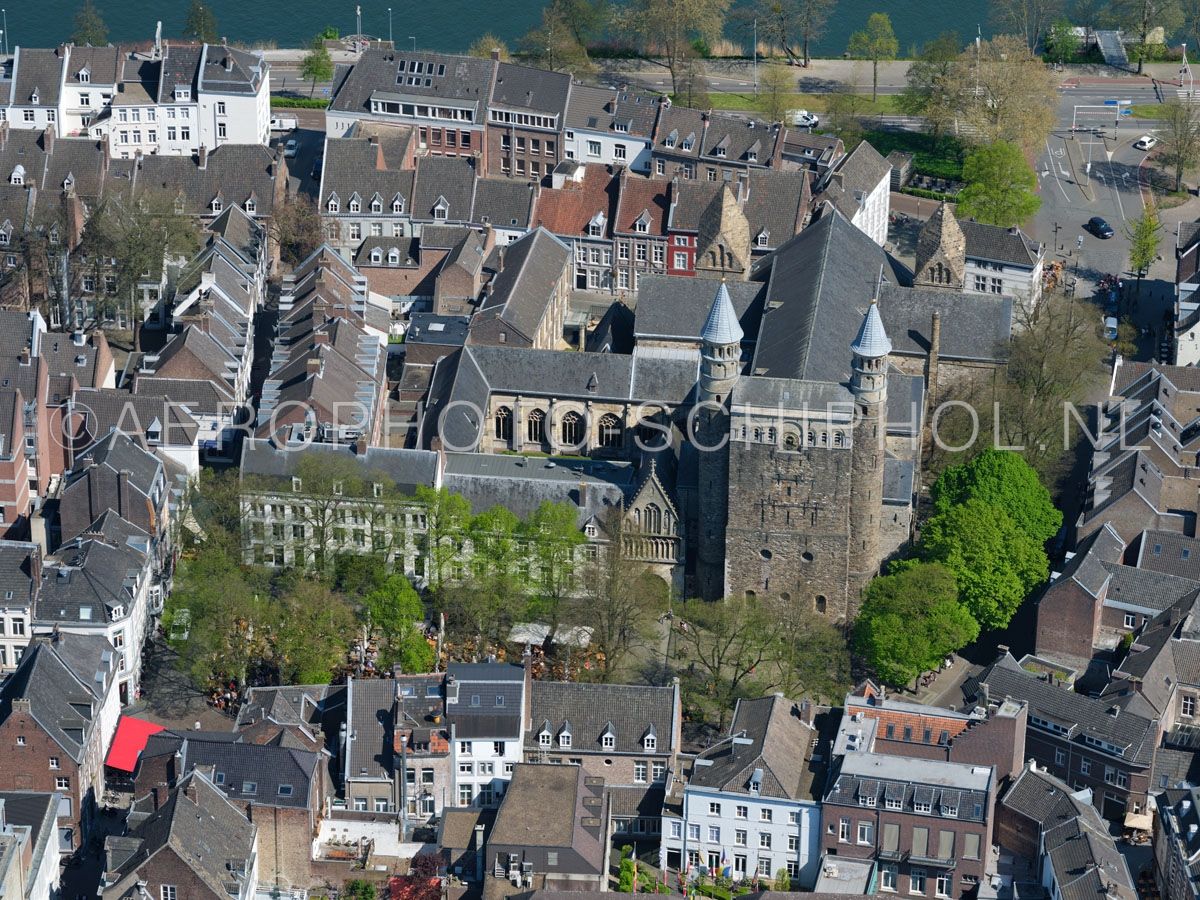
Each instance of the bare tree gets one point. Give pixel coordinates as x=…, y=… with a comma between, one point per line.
x=784, y=23
x=1027, y=18
x=669, y=27
x=1005, y=92
x=1140, y=17
x=1180, y=135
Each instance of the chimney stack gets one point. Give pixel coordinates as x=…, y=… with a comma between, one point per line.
x=496, y=54
x=202, y=158
x=123, y=491
x=314, y=365
x=360, y=446
x=48, y=139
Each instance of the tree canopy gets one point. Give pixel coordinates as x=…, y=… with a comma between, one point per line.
x=90, y=29
x=317, y=64
x=910, y=621
x=995, y=563
x=1001, y=187
x=668, y=28
x=877, y=42
x=1005, y=480
x=201, y=24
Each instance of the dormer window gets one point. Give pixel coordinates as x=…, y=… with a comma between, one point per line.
x=751, y=155
x=34, y=98
x=182, y=93
x=689, y=141
x=649, y=743
x=622, y=127
x=217, y=205
x=397, y=204
x=337, y=489
x=334, y=205
x=564, y=738
x=118, y=612
x=441, y=209
x=642, y=225
x=608, y=737
x=544, y=739
x=763, y=239
x=720, y=151
x=376, y=204
x=250, y=206
x=85, y=77
x=4, y=237
x=376, y=256
x=671, y=139
x=355, y=204
x=393, y=257
x=18, y=175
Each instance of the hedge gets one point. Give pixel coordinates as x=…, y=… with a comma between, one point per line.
x=299, y=102
x=929, y=195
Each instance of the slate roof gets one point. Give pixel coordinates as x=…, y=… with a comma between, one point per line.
x=974, y=327
x=17, y=559
x=638, y=195
x=86, y=579
x=779, y=752
x=65, y=681
x=630, y=711
x=232, y=172
x=104, y=64
x=543, y=807
x=352, y=166
x=859, y=173
x=258, y=774
x=1081, y=716
x=504, y=202
x=225, y=70
x=198, y=398
x=736, y=134
x=818, y=149
x=871, y=342
x=600, y=109
x=672, y=306
x=67, y=362
x=523, y=87
x=207, y=833
x=823, y=280
x=370, y=705
x=406, y=468
x=39, y=70
x=961, y=787
x=995, y=244
x=1170, y=553
x=1145, y=588
x=463, y=79
x=180, y=67
x=1039, y=796
x=521, y=484
x=525, y=289
x=775, y=204
x=117, y=451
x=1085, y=861
x=448, y=178
x=490, y=697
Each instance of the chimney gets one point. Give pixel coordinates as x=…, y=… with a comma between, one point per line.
x=500, y=257
x=583, y=494
x=496, y=54
x=228, y=60
x=935, y=348
x=527, y=664
x=360, y=446
x=123, y=491
x=93, y=480
x=314, y=365
x=320, y=338
x=807, y=712
x=55, y=634
x=48, y=139
x=202, y=158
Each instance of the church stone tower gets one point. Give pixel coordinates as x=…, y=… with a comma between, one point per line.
x=868, y=385
x=720, y=368
x=941, y=252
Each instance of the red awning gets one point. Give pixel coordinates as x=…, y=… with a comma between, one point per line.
x=129, y=742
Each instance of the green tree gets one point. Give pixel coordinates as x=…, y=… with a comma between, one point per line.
x=1005, y=93
x=1144, y=235
x=317, y=65
x=1180, y=136
x=910, y=621
x=783, y=880
x=928, y=89
x=554, y=45
x=776, y=91
x=395, y=611
x=552, y=537
x=995, y=563
x=484, y=607
x=447, y=516
x=1061, y=42
x=296, y=227
x=201, y=24
x=1001, y=186
x=483, y=46
x=1005, y=480
x=311, y=628
x=90, y=30
x=877, y=42
x=668, y=28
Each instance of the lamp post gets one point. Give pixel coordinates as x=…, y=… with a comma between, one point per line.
x=413, y=38
x=4, y=13
x=390, y=25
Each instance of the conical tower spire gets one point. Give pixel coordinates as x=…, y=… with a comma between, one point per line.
x=721, y=326
x=872, y=341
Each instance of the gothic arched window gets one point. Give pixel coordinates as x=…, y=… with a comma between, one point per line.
x=610, y=431
x=653, y=519
x=535, y=426
x=504, y=424
x=572, y=429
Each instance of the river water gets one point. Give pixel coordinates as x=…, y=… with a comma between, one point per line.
x=449, y=25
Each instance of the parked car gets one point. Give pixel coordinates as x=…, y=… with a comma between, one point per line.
x=802, y=118
x=291, y=148
x=1146, y=142
x=317, y=165
x=284, y=123
x=1110, y=328
x=1100, y=228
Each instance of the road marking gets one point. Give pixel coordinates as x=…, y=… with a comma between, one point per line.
x=1056, y=181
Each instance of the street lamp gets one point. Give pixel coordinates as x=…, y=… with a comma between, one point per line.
x=390, y=25
x=4, y=13
x=413, y=38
